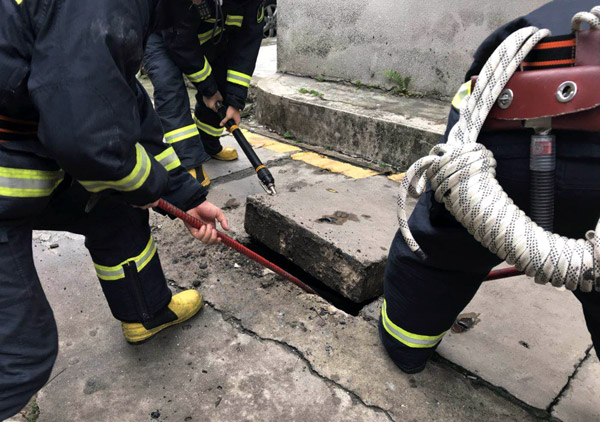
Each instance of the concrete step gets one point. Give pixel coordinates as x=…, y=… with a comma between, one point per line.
x=360, y=122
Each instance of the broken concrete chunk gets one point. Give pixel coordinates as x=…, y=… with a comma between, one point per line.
x=324, y=235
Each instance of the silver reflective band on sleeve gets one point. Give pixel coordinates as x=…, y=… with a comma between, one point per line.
x=202, y=74
x=168, y=159
x=181, y=134
x=415, y=341
x=24, y=183
x=234, y=20
x=117, y=272
x=134, y=180
x=238, y=78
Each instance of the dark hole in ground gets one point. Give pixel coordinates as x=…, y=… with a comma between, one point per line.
x=324, y=291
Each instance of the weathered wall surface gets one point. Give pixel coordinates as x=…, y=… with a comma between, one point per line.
x=431, y=41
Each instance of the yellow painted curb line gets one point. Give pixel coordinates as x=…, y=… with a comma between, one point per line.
x=334, y=166
x=397, y=177
x=312, y=158
x=259, y=141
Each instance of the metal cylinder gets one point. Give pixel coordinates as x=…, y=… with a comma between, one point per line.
x=542, y=166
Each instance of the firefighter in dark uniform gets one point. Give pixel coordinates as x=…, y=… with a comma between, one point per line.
x=79, y=145
x=423, y=298
x=216, y=48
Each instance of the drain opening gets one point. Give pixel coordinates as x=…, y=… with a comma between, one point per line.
x=327, y=293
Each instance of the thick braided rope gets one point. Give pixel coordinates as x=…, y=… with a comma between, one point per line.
x=462, y=174
x=592, y=18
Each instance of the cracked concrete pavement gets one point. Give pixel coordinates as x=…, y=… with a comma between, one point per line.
x=210, y=368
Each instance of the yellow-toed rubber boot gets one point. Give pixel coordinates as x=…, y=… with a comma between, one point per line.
x=200, y=175
x=182, y=307
x=226, y=154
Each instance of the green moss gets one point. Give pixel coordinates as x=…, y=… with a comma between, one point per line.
x=311, y=92
x=401, y=82
x=33, y=412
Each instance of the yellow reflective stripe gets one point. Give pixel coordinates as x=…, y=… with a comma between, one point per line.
x=24, y=183
x=206, y=36
x=169, y=159
x=208, y=129
x=239, y=78
x=181, y=134
x=117, y=272
x=415, y=341
x=19, y=1
x=463, y=91
x=202, y=74
x=260, y=17
x=132, y=181
x=234, y=20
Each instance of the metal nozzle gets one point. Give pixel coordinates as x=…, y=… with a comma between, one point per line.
x=270, y=189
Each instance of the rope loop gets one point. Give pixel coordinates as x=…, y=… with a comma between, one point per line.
x=592, y=18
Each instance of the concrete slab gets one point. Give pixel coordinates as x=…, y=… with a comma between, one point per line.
x=364, y=123
x=338, y=232
x=579, y=402
x=290, y=176
x=206, y=369
x=528, y=340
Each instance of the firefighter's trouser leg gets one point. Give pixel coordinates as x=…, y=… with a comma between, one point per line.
x=172, y=104
x=423, y=298
x=28, y=336
x=119, y=240
x=207, y=120
x=123, y=252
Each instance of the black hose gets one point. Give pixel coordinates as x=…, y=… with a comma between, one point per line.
x=542, y=166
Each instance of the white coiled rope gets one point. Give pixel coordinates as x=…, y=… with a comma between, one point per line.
x=462, y=174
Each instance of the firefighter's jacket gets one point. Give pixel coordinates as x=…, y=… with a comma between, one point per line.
x=70, y=104
x=191, y=37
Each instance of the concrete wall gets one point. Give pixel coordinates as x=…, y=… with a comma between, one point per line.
x=431, y=41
